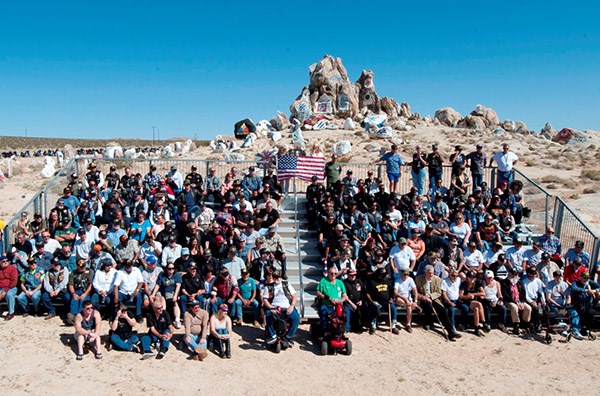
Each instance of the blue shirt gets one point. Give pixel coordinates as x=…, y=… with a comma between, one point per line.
x=584, y=256
x=246, y=288
x=392, y=162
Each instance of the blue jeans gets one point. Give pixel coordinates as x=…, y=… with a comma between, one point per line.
x=375, y=309
x=255, y=309
x=185, y=300
x=508, y=176
x=574, y=315
x=500, y=309
x=139, y=299
x=419, y=180
x=477, y=180
x=123, y=344
x=219, y=345
x=149, y=339
x=75, y=307
x=195, y=342
x=10, y=299
x=63, y=297
x=35, y=300
x=293, y=319
x=464, y=313
x=98, y=301
x=433, y=177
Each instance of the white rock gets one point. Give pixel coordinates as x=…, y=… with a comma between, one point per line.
x=349, y=124
x=342, y=147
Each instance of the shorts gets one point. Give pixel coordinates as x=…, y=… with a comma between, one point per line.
x=393, y=177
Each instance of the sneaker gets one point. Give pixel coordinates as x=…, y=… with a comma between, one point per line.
x=577, y=335
x=9, y=317
x=461, y=327
x=50, y=316
x=426, y=327
x=478, y=332
x=516, y=329
x=395, y=331
x=453, y=334
x=147, y=355
x=161, y=354
x=25, y=314
x=177, y=324
x=135, y=349
x=271, y=340
x=486, y=327
x=372, y=329
x=501, y=327
x=408, y=328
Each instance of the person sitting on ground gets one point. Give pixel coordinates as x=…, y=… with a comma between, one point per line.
x=513, y=295
x=123, y=336
x=471, y=292
x=160, y=330
x=9, y=277
x=405, y=295
x=88, y=324
x=220, y=332
x=55, y=288
x=429, y=288
x=31, y=282
x=127, y=287
x=196, y=324
x=248, y=290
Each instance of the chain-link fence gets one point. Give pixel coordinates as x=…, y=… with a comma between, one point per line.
x=538, y=201
x=569, y=228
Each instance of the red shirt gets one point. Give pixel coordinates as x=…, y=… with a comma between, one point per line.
x=571, y=275
x=8, y=277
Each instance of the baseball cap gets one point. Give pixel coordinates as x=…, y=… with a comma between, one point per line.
x=585, y=274
x=545, y=256
x=244, y=271
x=402, y=240
x=185, y=251
x=344, y=238
x=272, y=228
x=223, y=307
x=81, y=231
x=351, y=271
x=405, y=271
x=123, y=238
x=264, y=251
x=339, y=227
x=479, y=145
x=173, y=167
x=579, y=244
x=207, y=252
x=472, y=244
x=276, y=274
x=151, y=260
x=194, y=303
x=219, y=238
x=314, y=178
x=470, y=274
x=489, y=274
x=2, y=258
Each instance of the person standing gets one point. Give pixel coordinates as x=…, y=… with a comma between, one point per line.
x=393, y=162
x=477, y=160
x=434, y=165
x=506, y=161
x=332, y=171
x=418, y=170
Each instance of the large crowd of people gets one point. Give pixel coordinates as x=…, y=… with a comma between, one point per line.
x=198, y=251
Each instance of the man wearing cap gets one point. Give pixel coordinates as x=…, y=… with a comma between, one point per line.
x=91, y=231
x=233, y=263
x=83, y=246
x=551, y=245
x=577, y=251
x=473, y=258
x=94, y=175
x=491, y=255
x=171, y=252
x=127, y=250
x=500, y=267
x=205, y=217
x=274, y=242
x=150, y=248
x=248, y=289
x=429, y=288
x=457, y=159
x=225, y=291
x=487, y=233
x=76, y=185
x=534, y=296
x=213, y=186
x=55, y=288
x=585, y=295
x=361, y=233
x=280, y=294
x=393, y=163
x=140, y=227
x=42, y=257
x=251, y=182
x=402, y=257
x=152, y=179
x=574, y=270
x=127, y=287
x=506, y=161
x=177, y=178
x=477, y=160
x=258, y=265
x=9, y=277
x=160, y=329
x=514, y=255
x=195, y=179
x=112, y=180
x=332, y=171
x=451, y=299
x=558, y=298
x=65, y=235
x=434, y=165
x=406, y=296
x=418, y=165
x=532, y=257
x=355, y=290
x=150, y=275
x=433, y=259
x=31, y=282
x=115, y=233
x=546, y=268
x=70, y=200
x=103, y=284
x=196, y=324
x=192, y=288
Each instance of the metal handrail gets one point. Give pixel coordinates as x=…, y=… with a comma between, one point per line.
x=297, y=227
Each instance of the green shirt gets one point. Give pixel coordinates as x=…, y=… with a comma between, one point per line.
x=333, y=291
x=332, y=172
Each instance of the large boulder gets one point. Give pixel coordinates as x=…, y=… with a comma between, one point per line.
x=521, y=127
x=489, y=115
x=448, y=116
x=367, y=96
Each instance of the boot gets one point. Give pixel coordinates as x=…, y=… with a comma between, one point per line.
x=516, y=329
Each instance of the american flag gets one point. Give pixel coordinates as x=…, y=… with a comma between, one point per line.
x=303, y=167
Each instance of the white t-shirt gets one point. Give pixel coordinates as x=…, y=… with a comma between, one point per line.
x=451, y=288
x=515, y=256
x=150, y=278
x=395, y=216
x=490, y=257
x=279, y=298
x=505, y=161
x=405, y=288
x=127, y=282
x=104, y=281
x=533, y=289
x=474, y=259
x=532, y=258
x=401, y=258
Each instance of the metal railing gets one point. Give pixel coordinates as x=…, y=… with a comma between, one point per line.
x=569, y=228
x=300, y=270
x=538, y=200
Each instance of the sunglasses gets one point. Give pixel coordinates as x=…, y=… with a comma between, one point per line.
x=170, y=268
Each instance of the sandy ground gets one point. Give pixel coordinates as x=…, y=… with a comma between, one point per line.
x=420, y=363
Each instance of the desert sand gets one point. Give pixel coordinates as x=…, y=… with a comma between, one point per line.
x=38, y=359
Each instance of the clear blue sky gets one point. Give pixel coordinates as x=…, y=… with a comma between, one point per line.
x=116, y=69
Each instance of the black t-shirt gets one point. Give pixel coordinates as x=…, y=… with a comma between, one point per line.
x=354, y=289
x=380, y=291
x=124, y=329
x=268, y=218
x=192, y=284
x=474, y=288
x=160, y=324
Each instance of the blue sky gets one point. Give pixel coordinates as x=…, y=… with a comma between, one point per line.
x=77, y=70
